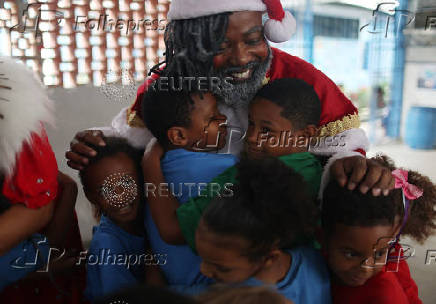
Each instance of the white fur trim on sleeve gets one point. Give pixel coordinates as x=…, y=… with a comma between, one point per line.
x=325, y=179
x=23, y=108
x=349, y=140
x=137, y=137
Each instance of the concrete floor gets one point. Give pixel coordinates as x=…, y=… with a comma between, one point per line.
x=86, y=107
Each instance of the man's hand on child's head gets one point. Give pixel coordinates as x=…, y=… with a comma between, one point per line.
x=78, y=156
x=367, y=174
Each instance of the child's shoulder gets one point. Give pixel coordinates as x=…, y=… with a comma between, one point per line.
x=109, y=236
x=194, y=165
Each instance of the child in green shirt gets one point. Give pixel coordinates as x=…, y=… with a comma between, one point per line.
x=283, y=119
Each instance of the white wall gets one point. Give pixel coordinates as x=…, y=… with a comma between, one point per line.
x=76, y=110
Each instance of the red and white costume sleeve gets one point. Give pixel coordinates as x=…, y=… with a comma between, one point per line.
x=339, y=122
x=27, y=160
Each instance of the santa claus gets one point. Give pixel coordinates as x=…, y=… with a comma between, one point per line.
x=227, y=38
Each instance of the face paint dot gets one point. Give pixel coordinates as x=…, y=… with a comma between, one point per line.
x=119, y=190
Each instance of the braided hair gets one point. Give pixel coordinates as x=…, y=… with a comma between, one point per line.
x=191, y=45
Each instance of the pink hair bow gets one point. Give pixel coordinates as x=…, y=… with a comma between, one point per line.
x=411, y=192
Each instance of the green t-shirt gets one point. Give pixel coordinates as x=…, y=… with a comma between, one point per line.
x=189, y=213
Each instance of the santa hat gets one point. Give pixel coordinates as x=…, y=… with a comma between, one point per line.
x=280, y=26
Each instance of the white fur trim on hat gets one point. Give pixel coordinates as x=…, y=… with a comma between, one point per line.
x=23, y=108
x=280, y=31
x=275, y=30
x=187, y=9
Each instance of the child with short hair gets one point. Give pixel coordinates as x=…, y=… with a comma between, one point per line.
x=112, y=182
x=361, y=234
x=248, y=238
x=189, y=127
x=282, y=120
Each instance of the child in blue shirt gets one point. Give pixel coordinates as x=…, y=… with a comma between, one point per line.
x=188, y=125
x=247, y=238
x=113, y=184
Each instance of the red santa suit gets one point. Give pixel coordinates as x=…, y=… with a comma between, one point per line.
x=339, y=118
x=30, y=171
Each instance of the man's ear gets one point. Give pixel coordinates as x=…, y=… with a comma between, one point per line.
x=178, y=136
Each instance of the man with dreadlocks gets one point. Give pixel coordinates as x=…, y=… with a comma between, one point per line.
x=226, y=38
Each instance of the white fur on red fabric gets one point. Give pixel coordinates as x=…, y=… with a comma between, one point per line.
x=350, y=140
x=27, y=108
x=280, y=31
x=325, y=179
x=275, y=30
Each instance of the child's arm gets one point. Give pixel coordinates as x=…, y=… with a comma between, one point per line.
x=13, y=231
x=163, y=207
x=64, y=211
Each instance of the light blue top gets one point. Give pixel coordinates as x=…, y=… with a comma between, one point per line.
x=307, y=281
x=26, y=257
x=116, y=259
x=181, y=167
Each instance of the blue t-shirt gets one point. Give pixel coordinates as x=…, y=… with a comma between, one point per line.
x=26, y=257
x=307, y=281
x=186, y=173
x=116, y=259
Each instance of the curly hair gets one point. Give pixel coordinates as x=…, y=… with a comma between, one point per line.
x=191, y=44
x=270, y=207
x=352, y=208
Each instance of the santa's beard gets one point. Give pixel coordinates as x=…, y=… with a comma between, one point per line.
x=239, y=95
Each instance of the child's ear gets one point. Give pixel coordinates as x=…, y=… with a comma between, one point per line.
x=273, y=256
x=178, y=136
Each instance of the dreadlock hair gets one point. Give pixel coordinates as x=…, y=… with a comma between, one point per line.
x=352, y=208
x=114, y=146
x=270, y=208
x=191, y=45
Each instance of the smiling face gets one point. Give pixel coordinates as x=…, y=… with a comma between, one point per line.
x=270, y=134
x=222, y=258
x=243, y=57
x=207, y=131
x=349, y=246
x=112, y=185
